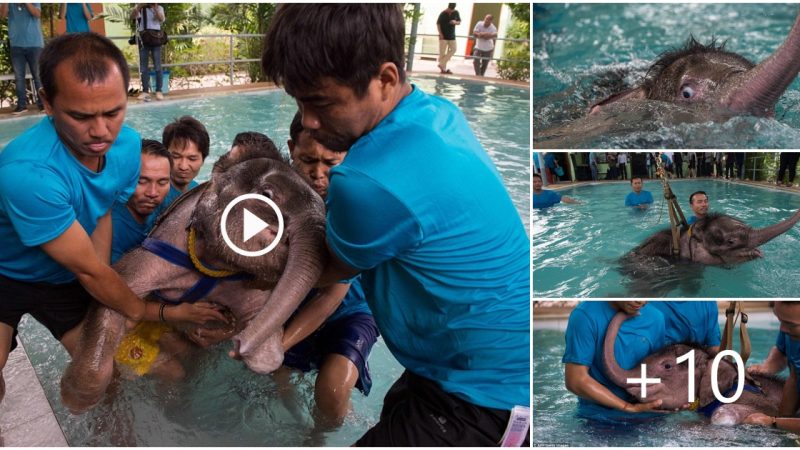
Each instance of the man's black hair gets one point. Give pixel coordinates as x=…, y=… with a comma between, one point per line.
x=695, y=193
x=155, y=148
x=347, y=42
x=636, y=178
x=187, y=128
x=296, y=127
x=536, y=175
x=91, y=55
x=451, y=5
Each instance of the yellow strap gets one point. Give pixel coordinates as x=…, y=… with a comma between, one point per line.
x=191, y=241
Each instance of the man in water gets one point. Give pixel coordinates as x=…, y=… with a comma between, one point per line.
x=698, y=201
x=188, y=142
x=638, y=199
x=543, y=198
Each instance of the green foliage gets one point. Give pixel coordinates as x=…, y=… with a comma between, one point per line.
x=518, y=54
x=6, y=90
x=245, y=18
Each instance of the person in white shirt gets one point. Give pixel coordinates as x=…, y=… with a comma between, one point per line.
x=485, y=34
x=149, y=16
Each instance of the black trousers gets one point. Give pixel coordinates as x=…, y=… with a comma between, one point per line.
x=788, y=160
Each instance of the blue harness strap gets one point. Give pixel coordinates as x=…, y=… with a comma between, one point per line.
x=709, y=409
x=178, y=257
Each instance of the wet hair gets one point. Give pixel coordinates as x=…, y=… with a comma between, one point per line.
x=347, y=42
x=187, y=128
x=536, y=175
x=637, y=178
x=91, y=55
x=690, y=47
x=155, y=148
x=695, y=193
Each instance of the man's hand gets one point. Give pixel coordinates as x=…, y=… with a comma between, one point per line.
x=758, y=419
x=199, y=313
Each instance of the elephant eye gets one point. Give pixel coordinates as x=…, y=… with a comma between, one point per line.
x=267, y=193
x=687, y=92
x=668, y=366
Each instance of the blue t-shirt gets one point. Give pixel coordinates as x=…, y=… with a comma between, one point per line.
x=353, y=303
x=76, y=21
x=688, y=321
x=128, y=232
x=638, y=337
x=419, y=208
x=546, y=199
x=24, y=30
x=44, y=189
x=791, y=348
x=634, y=199
x=172, y=195
x=691, y=220
x=550, y=161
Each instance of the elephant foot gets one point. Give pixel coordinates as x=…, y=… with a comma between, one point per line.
x=82, y=390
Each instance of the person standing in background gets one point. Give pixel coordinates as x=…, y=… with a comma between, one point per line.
x=77, y=16
x=448, y=19
x=485, y=34
x=149, y=16
x=25, y=36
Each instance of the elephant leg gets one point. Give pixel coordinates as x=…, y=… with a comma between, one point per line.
x=732, y=414
x=266, y=357
x=88, y=375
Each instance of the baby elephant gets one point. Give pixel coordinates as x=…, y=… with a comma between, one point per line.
x=761, y=394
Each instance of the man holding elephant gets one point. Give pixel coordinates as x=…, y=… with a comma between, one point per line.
x=444, y=263
x=58, y=181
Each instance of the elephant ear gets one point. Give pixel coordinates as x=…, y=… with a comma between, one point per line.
x=633, y=93
x=726, y=378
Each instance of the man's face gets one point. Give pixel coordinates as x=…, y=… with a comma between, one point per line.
x=537, y=184
x=637, y=185
x=789, y=316
x=153, y=185
x=629, y=307
x=87, y=117
x=335, y=117
x=699, y=205
x=487, y=20
x=314, y=161
x=186, y=162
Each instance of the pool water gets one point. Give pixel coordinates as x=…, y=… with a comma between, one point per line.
x=576, y=248
x=554, y=421
x=222, y=403
x=583, y=53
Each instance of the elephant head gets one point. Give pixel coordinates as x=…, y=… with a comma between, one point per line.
x=722, y=83
x=673, y=388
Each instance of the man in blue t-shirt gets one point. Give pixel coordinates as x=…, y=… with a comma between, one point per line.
x=333, y=330
x=419, y=210
x=188, y=142
x=544, y=198
x=77, y=16
x=133, y=220
x=638, y=199
x=25, y=36
x=58, y=181
x=788, y=313
x=698, y=201
x=585, y=375
x=690, y=321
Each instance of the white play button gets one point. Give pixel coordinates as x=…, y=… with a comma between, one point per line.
x=252, y=225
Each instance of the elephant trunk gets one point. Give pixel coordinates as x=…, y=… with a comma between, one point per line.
x=762, y=86
x=614, y=372
x=303, y=268
x=763, y=235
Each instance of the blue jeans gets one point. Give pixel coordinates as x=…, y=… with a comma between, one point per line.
x=144, y=51
x=20, y=57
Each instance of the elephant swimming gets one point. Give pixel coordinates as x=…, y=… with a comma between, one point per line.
x=763, y=396
x=261, y=298
x=691, y=85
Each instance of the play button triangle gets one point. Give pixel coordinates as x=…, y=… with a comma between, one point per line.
x=252, y=225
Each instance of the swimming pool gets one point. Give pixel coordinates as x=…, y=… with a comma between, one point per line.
x=583, y=53
x=576, y=247
x=554, y=421
x=222, y=403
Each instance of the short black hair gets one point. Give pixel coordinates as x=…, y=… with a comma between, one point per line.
x=252, y=139
x=637, y=178
x=187, y=128
x=536, y=175
x=695, y=193
x=347, y=42
x=451, y=5
x=296, y=127
x=91, y=53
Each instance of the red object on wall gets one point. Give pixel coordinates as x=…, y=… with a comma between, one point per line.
x=470, y=44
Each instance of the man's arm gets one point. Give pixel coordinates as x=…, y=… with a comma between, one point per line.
x=790, y=397
x=579, y=382
x=566, y=199
x=135, y=12
x=87, y=11
x=439, y=27
x=73, y=249
x=158, y=12
x=101, y=238
x=35, y=12
x=62, y=13
x=775, y=362
x=314, y=314
x=335, y=271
